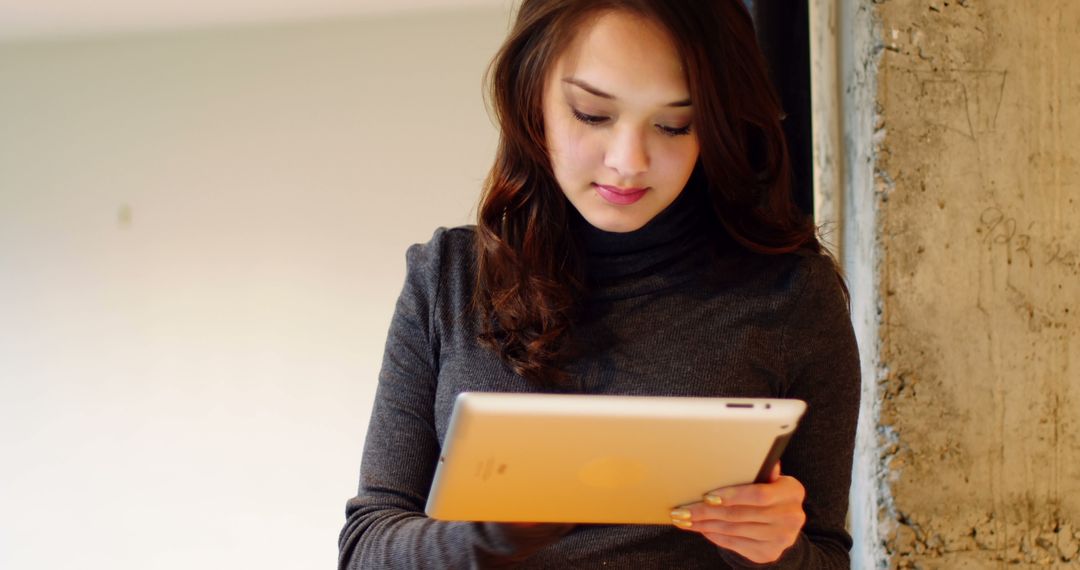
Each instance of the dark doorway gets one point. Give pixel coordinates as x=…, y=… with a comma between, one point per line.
x=783, y=29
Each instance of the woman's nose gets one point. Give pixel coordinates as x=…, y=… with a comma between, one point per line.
x=627, y=153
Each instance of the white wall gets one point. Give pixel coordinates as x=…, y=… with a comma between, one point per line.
x=202, y=235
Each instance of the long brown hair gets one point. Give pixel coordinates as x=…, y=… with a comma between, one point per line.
x=530, y=270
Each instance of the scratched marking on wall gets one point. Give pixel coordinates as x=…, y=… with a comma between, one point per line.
x=978, y=92
x=965, y=101
x=1027, y=242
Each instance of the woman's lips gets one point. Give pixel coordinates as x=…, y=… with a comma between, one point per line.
x=620, y=196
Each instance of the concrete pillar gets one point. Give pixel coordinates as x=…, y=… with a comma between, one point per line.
x=959, y=189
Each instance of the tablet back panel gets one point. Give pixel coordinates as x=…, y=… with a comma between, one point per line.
x=601, y=459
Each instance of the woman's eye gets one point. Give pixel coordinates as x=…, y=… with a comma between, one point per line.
x=673, y=132
x=588, y=119
x=595, y=120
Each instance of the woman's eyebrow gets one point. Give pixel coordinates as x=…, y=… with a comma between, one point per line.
x=583, y=85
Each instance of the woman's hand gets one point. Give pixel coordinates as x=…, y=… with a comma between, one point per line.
x=758, y=521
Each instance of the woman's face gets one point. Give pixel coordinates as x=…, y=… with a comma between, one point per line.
x=617, y=121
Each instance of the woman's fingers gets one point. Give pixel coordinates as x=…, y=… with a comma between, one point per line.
x=742, y=514
x=775, y=474
x=783, y=489
x=752, y=550
x=753, y=531
x=759, y=521
x=760, y=534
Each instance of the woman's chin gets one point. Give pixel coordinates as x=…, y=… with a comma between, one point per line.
x=615, y=223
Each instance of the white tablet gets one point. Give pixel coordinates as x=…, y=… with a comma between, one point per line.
x=601, y=459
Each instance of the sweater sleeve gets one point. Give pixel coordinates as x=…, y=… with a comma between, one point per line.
x=385, y=523
x=823, y=370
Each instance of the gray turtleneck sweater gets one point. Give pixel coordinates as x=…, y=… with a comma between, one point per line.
x=675, y=320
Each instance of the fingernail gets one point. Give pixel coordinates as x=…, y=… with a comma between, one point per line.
x=682, y=524
x=713, y=500
x=681, y=514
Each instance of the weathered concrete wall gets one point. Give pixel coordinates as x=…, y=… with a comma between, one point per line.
x=845, y=51
x=979, y=221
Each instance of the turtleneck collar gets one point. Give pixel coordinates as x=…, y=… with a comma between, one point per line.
x=668, y=250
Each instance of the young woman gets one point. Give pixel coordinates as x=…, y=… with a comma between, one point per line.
x=636, y=236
